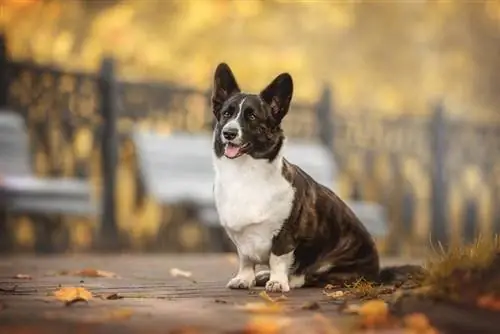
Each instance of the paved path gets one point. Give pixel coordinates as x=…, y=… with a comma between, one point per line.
x=153, y=300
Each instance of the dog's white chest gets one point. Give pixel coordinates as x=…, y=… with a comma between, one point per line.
x=253, y=200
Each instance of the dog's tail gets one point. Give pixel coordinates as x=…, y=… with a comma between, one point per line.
x=402, y=274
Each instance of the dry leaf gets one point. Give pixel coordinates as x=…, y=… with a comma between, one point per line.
x=22, y=276
x=374, y=307
x=176, y=272
x=112, y=296
x=375, y=314
x=331, y=287
x=310, y=306
x=71, y=295
x=268, y=298
x=266, y=325
x=489, y=302
x=265, y=308
x=334, y=294
x=89, y=272
x=121, y=314
x=417, y=322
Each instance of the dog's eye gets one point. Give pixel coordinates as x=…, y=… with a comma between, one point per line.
x=229, y=111
x=250, y=114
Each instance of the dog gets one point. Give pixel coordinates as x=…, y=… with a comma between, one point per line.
x=273, y=211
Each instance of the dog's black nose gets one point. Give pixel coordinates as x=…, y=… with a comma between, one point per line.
x=230, y=133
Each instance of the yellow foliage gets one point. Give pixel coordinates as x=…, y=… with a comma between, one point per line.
x=390, y=57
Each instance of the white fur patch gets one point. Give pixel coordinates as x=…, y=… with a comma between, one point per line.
x=235, y=122
x=253, y=200
x=279, y=267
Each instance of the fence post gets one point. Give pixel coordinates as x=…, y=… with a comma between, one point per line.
x=439, y=186
x=324, y=115
x=5, y=235
x=4, y=85
x=109, y=150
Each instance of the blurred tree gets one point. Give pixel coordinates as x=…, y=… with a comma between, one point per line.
x=391, y=57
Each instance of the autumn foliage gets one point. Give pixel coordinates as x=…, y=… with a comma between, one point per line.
x=389, y=57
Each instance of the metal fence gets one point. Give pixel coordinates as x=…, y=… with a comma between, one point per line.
x=437, y=176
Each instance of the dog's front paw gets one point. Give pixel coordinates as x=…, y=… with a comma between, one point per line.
x=239, y=282
x=277, y=286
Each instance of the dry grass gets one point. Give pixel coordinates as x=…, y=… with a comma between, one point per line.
x=448, y=271
x=362, y=288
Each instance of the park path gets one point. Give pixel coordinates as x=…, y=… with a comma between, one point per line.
x=152, y=300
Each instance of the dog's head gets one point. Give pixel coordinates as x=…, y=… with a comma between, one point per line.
x=249, y=123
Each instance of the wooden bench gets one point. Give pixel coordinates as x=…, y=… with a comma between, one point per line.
x=177, y=169
x=21, y=192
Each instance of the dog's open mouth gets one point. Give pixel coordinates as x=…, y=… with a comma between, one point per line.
x=233, y=151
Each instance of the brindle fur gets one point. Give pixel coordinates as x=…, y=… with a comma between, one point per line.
x=324, y=233
x=321, y=230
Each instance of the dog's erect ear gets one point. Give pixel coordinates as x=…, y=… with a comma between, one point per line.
x=225, y=85
x=278, y=95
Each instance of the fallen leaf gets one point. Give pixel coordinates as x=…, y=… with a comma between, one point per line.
x=112, y=296
x=71, y=295
x=121, y=314
x=22, y=276
x=268, y=298
x=417, y=322
x=176, y=272
x=221, y=301
x=375, y=314
x=266, y=325
x=374, y=307
x=489, y=302
x=310, y=306
x=89, y=272
x=331, y=287
x=264, y=308
x=334, y=294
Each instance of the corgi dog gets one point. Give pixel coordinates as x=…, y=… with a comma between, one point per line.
x=274, y=212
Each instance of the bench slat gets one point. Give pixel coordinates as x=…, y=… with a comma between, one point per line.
x=20, y=190
x=178, y=168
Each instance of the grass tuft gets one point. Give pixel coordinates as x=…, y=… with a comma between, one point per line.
x=451, y=271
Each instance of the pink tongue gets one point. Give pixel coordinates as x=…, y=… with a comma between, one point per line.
x=231, y=151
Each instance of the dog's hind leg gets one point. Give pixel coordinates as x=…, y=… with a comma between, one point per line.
x=262, y=277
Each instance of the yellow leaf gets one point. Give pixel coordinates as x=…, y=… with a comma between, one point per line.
x=334, y=294
x=268, y=298
x=417, y=322
x=89, y=272
x=266, y=325
x=265, y=308
x=374, y=308
x=71, y=295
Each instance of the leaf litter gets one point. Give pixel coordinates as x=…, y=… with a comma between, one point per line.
x=89, y=272
x=176, y=272
x=71, y=295
x=22, y=276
